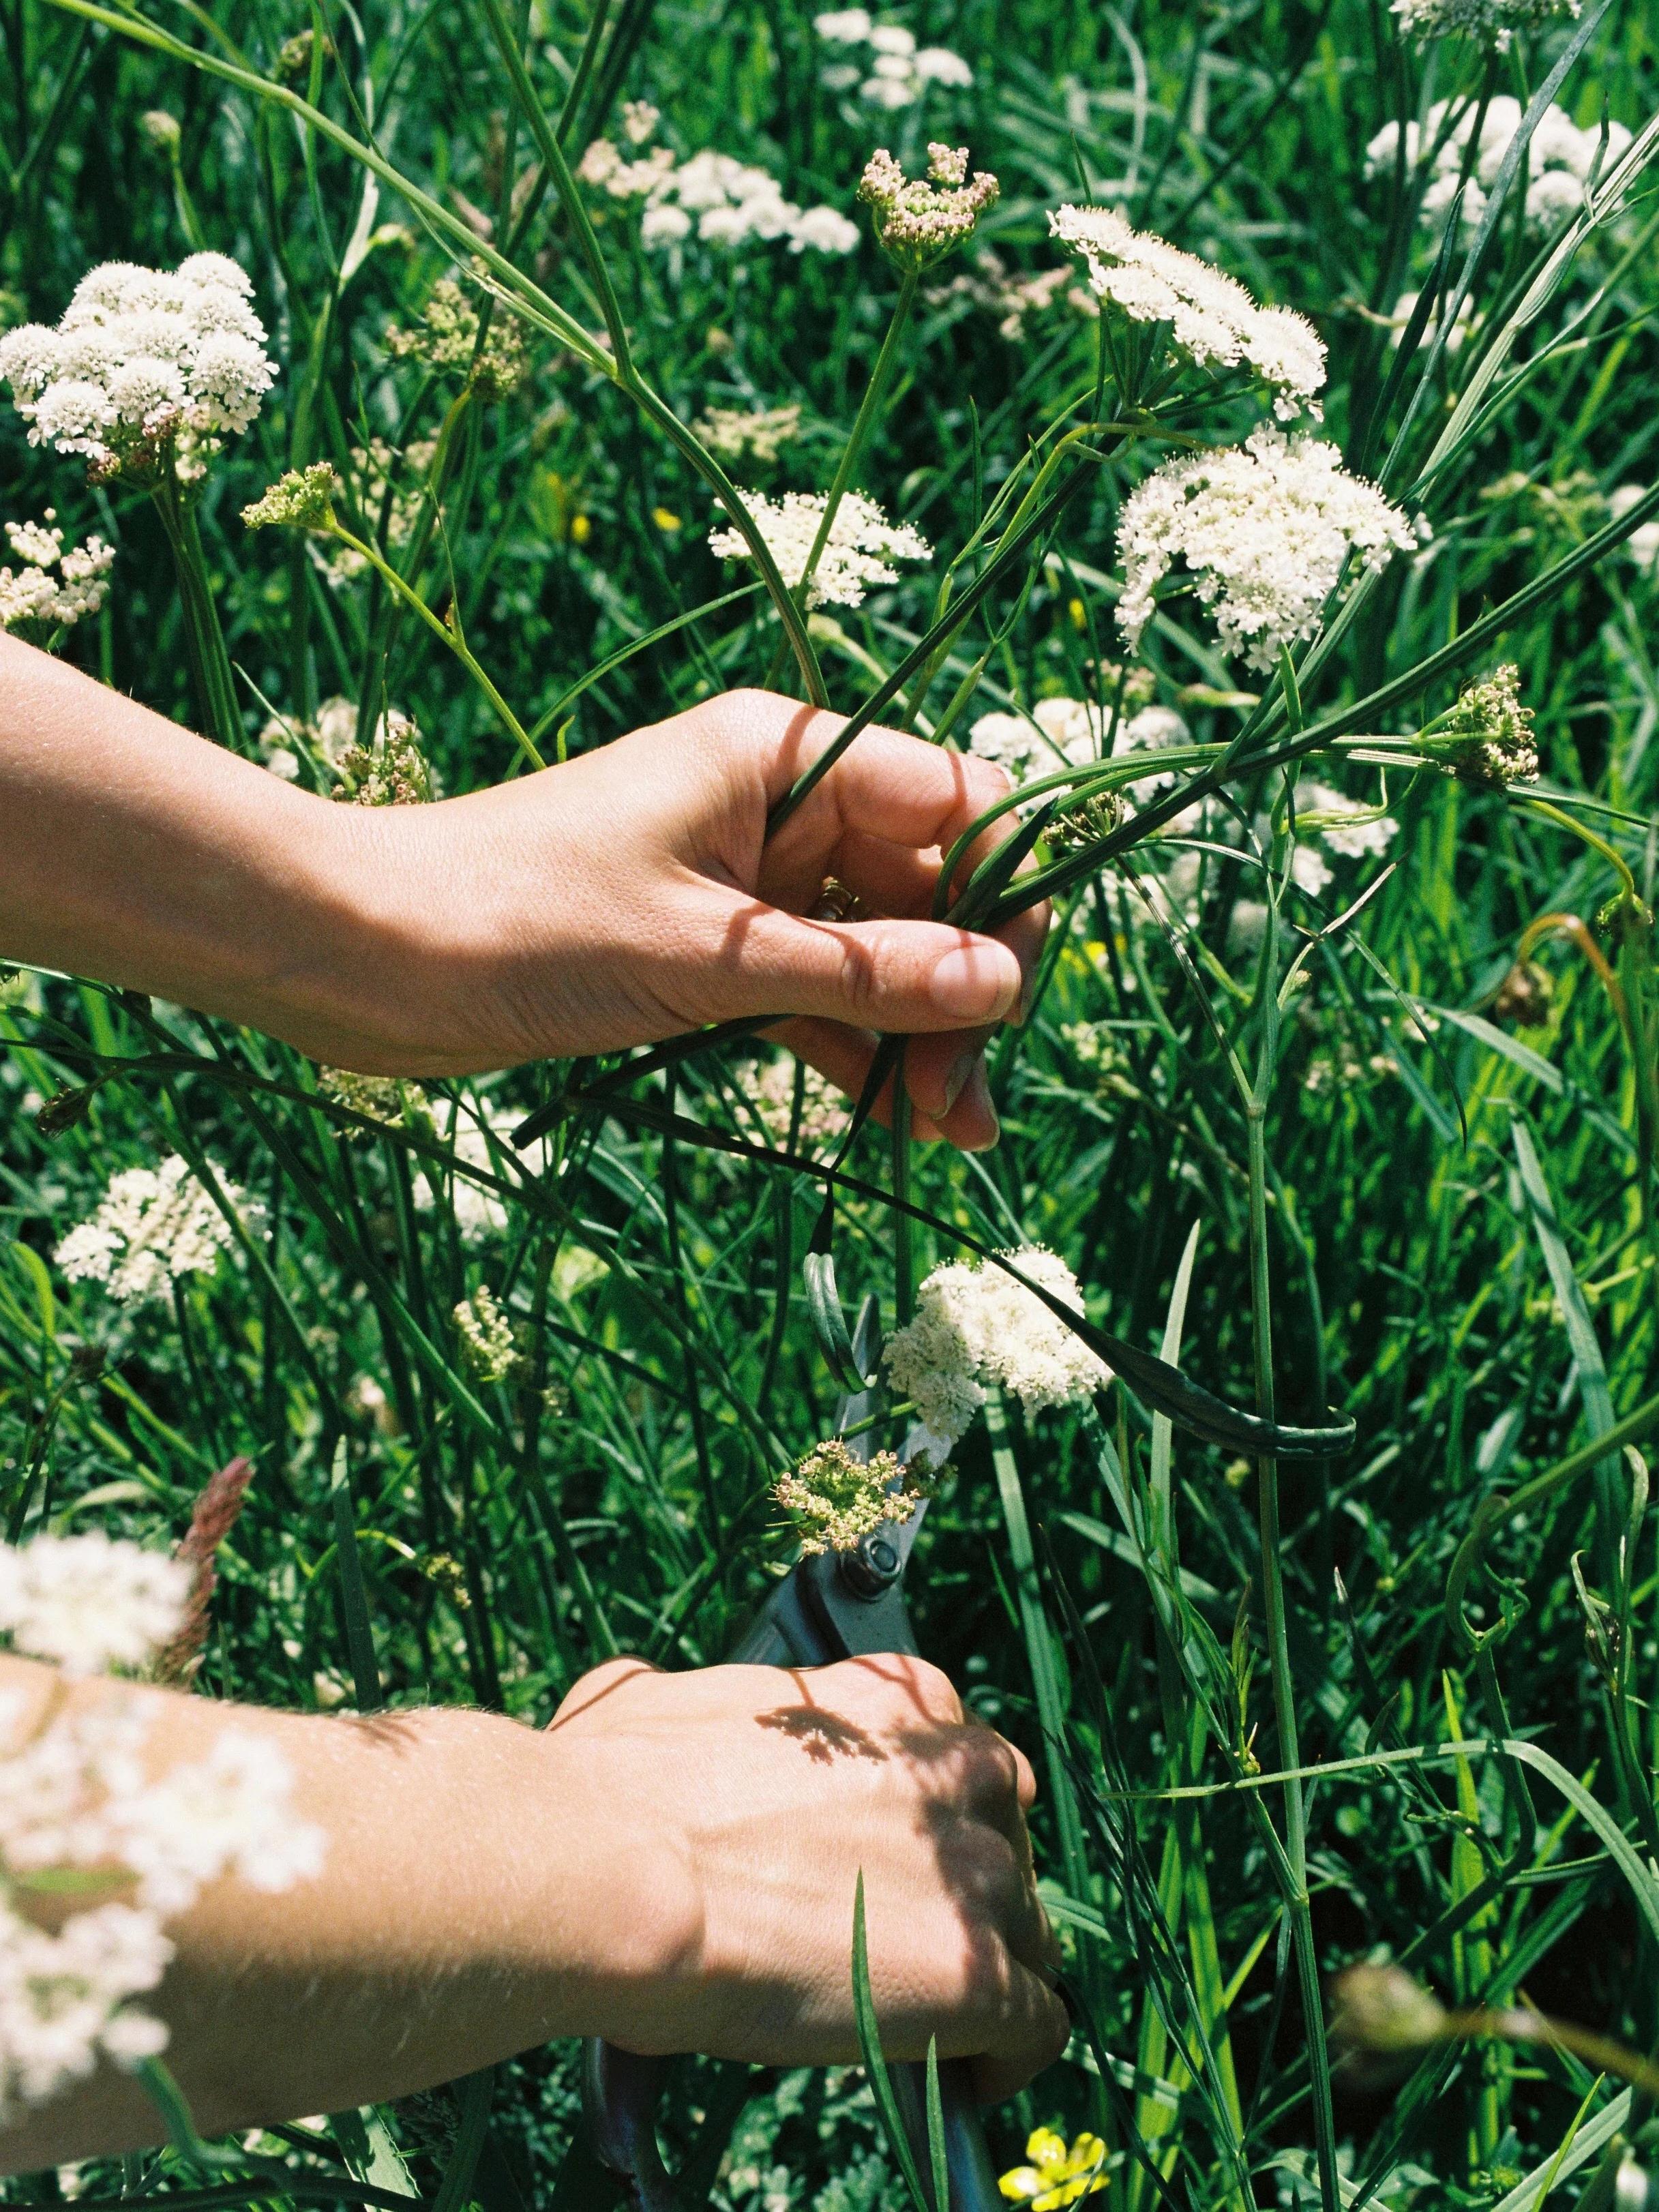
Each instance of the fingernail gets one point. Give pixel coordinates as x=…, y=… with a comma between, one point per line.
x=976, y=1093
x=954, y=1076
x=976, y=982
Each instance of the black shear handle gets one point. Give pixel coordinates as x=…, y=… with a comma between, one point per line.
x=827, y=1608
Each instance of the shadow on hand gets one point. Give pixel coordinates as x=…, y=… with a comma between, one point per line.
x=824, y=1736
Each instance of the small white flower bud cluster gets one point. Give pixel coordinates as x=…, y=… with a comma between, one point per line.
x=726, y=202
x=858, y=553
x=737, y=436
x=301, y=499
x=76, y=1800
x=920, y=220
x=837, y=1499
x=895, y=71
x=1492, y=22
x=1211, y=318
x=447, y=336
x=1487, y=738
x=1010, y=294
x=1560, y=158
x=391, y=771
x=483, y=1139
x=1071, y=733
x=823, y=1115
x=976, y=1328
x=488, y=1341
x=1643, y=543
x=1264, y=528
x=142, y=361
x=387, y=1098
x=153, y=1225
x=53, y=588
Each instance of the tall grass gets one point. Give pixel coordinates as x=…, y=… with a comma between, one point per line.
x=1395, y=1163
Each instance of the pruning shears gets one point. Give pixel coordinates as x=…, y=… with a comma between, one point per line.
x=831, y=1605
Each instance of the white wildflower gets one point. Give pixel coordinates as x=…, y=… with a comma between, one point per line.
x=736, y=435
x=483, y=1139
x=90, y=1602
x=976, y=1328
x=938, y=65
x=144, y=361
x=152, y=1226
x=1352, y=831
x=640, y=120
x=823, y=1115
x=837, y=1499
x=1560, y=157
x=844, y=26
x=1643, y=543
x=727, y=202
x=488, y=1339
x=77, y=1797
x=1493, y=22
x=1265, y=529
x=230, y=1812
x=858, y=552
x=1008, y=294
x=52, y=587
x=1212, y=317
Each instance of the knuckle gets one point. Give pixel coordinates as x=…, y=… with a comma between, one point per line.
x=858, y=974
x=933, y=1691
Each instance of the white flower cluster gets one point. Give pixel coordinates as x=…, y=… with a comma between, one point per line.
x=143, y=358
x=481, y=1139
x=1643, y=543
x=895, y=71
x=77, y=1798
x=725, y=201
x=976, y=1328
x=859, y=552
x=1493, y=22
x=33, y=593
x=153, y=1225
x=1560, y=157
x=1264, y=528
x=89, y=1602
x=1010, y=294
x=823, y=1115
x=1211, y=318
x=736, y=434
x=1070, y=733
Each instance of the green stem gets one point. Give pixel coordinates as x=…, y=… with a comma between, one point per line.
x=205, y=641
x=1283, y=1690
x=863, y=424
x=457, y=644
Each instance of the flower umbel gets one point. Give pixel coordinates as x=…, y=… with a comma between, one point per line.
x=152, y=1226
x=837, y=1499
x=858, y=552
x=977, y=1327
x=145, y=364
x=53, y=588
x=1056, y=2176
x=1487, y=738
x=1211, y=318
x=918, y=221
x=488, y=1341
x=301, y=499
x=1265, y=529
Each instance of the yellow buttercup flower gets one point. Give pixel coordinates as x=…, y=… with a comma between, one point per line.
x=1055, y=2176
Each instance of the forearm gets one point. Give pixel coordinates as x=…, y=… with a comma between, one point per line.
x=141, y=854
x=460, y=1914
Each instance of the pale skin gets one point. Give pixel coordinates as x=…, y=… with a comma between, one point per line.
x=671, y=1863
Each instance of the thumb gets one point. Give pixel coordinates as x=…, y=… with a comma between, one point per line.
x=909, y=977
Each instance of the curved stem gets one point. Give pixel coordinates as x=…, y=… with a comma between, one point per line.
x=411, y=598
